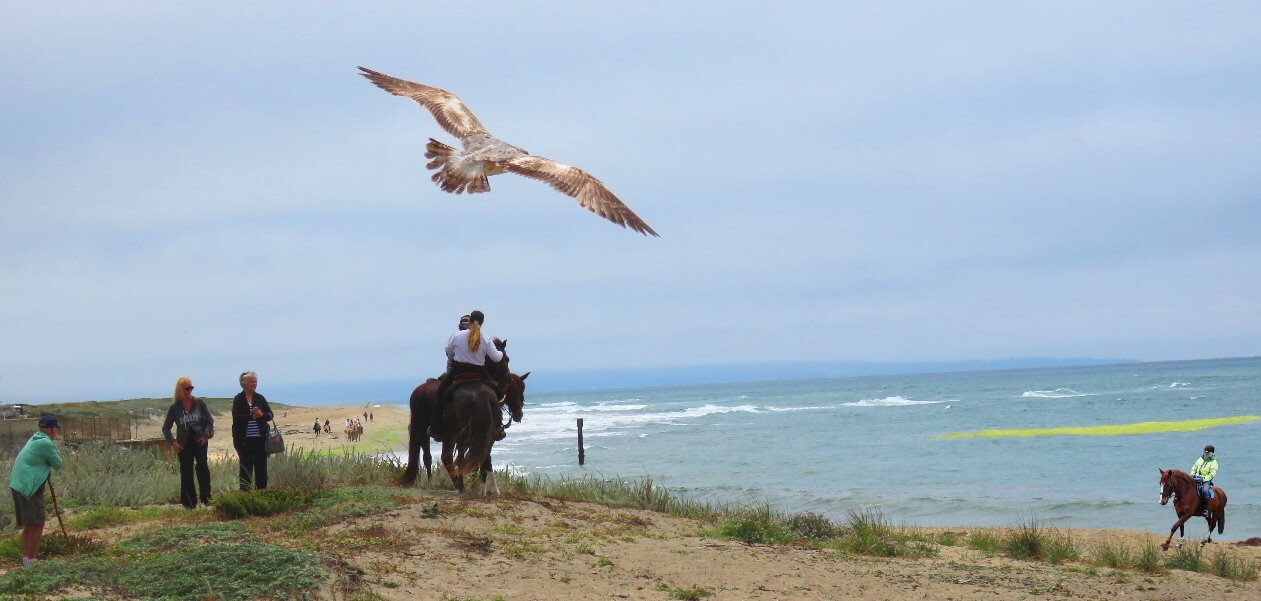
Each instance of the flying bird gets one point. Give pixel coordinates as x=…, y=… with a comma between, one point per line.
x=484, y=155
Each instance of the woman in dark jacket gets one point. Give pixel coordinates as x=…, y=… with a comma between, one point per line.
x=250, y=414
x=195, y=426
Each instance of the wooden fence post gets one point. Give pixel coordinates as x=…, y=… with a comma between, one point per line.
x=582, y=453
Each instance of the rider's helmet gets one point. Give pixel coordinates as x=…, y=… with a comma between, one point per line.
x=477, y=316
x=1208, y=448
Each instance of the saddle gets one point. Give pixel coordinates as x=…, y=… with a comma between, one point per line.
x=466, y=378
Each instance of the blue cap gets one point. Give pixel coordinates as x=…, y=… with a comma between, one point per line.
x=48, y=421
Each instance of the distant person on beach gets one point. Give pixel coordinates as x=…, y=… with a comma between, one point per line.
x=317, y=427
x=328, y=429
x=31, y=470
x=194, y=427
x=1204, y=470
x=250, y=414
x=370, y=416
x=467, y=351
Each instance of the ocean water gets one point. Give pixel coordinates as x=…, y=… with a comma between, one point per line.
x=832, y=446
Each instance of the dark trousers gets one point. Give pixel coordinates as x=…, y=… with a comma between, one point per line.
x=253, y=455
x=188, y=494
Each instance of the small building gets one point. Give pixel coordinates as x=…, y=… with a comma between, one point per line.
x=14, y=410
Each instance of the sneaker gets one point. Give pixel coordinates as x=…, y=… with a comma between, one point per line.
x=26, y=561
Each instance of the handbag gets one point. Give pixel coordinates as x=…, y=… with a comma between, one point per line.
x=275, y=442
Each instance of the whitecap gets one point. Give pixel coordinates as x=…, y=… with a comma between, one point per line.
x=788, y=409
x=889, y=401
x=1179, y=385
x=1058, y=393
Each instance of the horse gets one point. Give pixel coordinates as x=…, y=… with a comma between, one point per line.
x=472, y=425
x=422, y=401
x=1186, y=502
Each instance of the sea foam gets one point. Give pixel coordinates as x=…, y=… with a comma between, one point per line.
x=889, y=401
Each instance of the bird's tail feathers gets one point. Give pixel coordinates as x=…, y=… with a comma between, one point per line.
x=451, y=181
x=439, y=152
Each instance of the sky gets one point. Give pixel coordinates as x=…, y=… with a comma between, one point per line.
x=200, y=190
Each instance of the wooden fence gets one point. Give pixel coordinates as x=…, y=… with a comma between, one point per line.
x=15, y=432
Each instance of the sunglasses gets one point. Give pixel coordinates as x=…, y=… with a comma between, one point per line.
x=189, y=387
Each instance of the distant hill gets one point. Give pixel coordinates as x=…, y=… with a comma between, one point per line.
x=127, y=408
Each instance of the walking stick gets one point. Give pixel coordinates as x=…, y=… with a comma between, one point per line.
x=57, y=508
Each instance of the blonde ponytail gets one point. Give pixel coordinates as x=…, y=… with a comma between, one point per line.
x=474, y=336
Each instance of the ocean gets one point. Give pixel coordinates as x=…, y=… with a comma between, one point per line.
x=837, y=445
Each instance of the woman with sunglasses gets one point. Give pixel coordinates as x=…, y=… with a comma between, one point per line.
x=194, y=427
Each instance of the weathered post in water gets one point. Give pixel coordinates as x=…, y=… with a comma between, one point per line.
x=582, y=453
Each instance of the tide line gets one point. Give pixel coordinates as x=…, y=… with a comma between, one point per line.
x=1190, y=425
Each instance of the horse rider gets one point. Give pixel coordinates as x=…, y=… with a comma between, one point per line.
x=463, y=325
x=467, y=352
x=1204, y=470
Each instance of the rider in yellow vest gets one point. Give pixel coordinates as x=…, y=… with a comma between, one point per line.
x=1203, y=471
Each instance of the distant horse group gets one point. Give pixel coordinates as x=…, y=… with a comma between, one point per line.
x=471, y=422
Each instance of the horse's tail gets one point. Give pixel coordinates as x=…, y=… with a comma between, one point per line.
x=1221, y=517
x=473, y=442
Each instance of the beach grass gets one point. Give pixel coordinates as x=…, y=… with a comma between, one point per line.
x=1190, y=425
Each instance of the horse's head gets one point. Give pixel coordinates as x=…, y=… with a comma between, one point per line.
x=1166, y=485
x=514, y=396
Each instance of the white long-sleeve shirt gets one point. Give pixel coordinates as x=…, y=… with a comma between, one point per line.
x=457, y=348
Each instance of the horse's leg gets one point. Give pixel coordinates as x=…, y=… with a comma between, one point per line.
x=489, y=472
x=1176, y=525
x=448, y=448
x=1211, y=518
x=414, y=436
x=424, y=446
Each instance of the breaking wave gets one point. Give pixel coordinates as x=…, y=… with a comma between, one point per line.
x=1058, y=393
x=889, y=401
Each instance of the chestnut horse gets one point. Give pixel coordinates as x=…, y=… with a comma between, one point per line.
x=422, y=402
x=1186, y=502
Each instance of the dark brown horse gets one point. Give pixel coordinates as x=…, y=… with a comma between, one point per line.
x=473, y=417
x=1186, y=502
x=422, y=402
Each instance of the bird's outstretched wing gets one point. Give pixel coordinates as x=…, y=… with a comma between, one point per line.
x=446, y=107
x=575, y=182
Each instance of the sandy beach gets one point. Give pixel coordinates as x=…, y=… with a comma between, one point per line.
x=387, y=431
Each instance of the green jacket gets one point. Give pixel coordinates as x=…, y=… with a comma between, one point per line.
x=31, y=467
x=1205, y=469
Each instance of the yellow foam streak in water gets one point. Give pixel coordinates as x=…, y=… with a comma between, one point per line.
x=1189, y=425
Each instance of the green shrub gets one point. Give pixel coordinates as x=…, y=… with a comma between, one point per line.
x=52, y=544
x=985, y=541
x=869, y=533
x=1059, y=548
x=50, y=575
x=271, y=501
x=1188, y=558
x=1232, y=566
x=170, y=538
x=811, y=526
x=223, y=571
x=755, y=527
x=102, y=517
x=1113, y=554
x=1026, y=541
x=947, y=539
x=1149, y=559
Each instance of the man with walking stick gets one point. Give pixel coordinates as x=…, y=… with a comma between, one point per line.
x=30, y=471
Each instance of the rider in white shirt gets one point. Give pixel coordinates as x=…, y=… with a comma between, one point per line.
x=467, y=352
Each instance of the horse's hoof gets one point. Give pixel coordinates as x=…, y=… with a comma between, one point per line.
x=1164, y=547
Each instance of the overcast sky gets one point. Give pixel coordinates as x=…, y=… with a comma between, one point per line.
x=201, y=190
